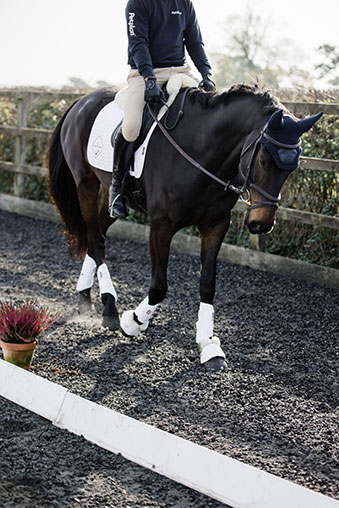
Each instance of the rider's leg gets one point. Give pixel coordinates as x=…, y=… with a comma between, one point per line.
x=131, y=126
x=163, y=74
x=130, y=130
x=117, y=206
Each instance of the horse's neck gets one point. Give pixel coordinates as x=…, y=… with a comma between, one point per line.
x=225, y=133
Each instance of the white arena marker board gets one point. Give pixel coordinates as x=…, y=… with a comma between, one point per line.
x=30, y=391
x=211, y=473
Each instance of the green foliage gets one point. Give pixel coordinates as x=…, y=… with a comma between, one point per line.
x=138, y=217
x=42, y=114
x=313, y=191
x=7, y=143
x=6, y=182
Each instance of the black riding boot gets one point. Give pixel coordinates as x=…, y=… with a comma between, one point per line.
x=117, y=205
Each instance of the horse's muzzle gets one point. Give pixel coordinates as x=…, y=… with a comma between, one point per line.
x=258, y=227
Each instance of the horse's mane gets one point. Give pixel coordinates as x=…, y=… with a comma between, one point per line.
x=215, y=99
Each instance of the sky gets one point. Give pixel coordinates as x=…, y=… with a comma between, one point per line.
x=44, y=43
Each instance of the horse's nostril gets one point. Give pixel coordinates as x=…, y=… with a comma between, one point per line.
x=257, y=227
x=254, y=227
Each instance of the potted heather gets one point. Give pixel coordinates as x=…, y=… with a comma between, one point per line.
x=20, y=327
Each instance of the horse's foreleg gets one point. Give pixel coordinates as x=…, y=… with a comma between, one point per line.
x=211, y=354
x=135, y=322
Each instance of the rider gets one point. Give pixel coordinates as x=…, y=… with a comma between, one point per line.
x=158, y=32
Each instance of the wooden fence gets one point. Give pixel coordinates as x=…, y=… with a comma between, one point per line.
x=22, y=134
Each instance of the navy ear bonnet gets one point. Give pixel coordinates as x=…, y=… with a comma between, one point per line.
x=282, y=138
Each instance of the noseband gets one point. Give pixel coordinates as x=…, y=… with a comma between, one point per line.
x=247, y=154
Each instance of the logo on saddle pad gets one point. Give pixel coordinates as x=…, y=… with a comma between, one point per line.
x=97, y=146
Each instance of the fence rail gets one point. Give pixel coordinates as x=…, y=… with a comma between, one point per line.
x=22, y=134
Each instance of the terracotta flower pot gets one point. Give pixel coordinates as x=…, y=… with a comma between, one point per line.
x=19, y=354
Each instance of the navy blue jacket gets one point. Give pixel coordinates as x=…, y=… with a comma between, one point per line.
x=159, y=31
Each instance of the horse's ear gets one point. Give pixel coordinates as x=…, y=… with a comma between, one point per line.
x=276, y=121
x=306, y=124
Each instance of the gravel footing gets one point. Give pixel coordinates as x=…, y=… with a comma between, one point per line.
x=274, y=407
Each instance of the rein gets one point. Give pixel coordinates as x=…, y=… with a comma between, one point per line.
x=271, y=200
x=180, y=112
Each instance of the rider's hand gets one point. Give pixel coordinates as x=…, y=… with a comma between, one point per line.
x=207, y=84
x=153, y=92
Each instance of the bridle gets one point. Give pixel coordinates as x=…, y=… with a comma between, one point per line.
x=251, y=150
x=247, y=158
x=247, y=155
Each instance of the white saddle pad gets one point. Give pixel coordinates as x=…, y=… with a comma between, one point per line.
x=99, y=149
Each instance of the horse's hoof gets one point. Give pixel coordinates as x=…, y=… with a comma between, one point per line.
x=111, y=322
x=215, y=364
x=128, y=325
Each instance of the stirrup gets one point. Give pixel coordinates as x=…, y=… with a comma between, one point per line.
x=117, y=209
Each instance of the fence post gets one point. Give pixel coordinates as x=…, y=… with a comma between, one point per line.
x=258, y=242
x=20, y=147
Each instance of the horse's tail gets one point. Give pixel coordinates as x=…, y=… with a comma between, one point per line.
x=63, y=194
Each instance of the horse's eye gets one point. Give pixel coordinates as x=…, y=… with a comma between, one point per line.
x=264, y=157
x=263, y=160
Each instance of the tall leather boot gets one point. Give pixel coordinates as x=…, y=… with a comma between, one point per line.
x=117, y=204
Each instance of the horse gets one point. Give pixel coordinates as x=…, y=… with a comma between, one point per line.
x=226, y=145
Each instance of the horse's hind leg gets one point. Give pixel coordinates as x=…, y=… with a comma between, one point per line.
x=97, y=225
x=108, y=294
x=135, y=322
x=85, y=283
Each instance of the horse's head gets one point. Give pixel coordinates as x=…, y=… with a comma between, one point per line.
x=270, y=157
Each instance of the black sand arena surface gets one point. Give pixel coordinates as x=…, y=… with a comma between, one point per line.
x=274, y=407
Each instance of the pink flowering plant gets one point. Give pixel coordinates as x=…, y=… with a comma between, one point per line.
x=24, y=323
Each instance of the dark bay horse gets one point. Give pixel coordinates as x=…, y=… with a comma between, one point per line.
x=240, y=140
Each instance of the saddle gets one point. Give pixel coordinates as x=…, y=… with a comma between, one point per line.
x=147, y=122
x=172, y=111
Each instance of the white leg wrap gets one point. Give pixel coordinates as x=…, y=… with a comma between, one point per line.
x=88, y=270
x=129, y=326
x=210, y=349
x=209, y=346
x=205, y=322
x=105, y=281
x=143, y=312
